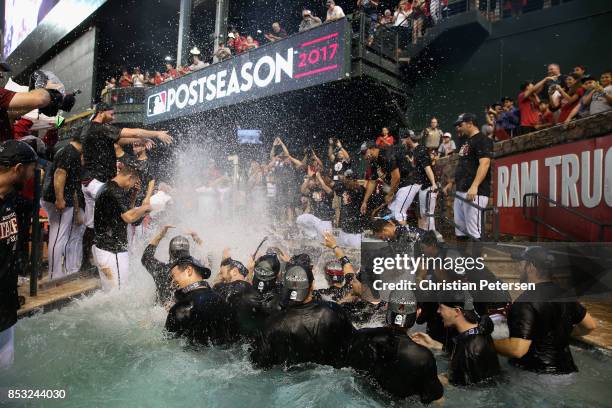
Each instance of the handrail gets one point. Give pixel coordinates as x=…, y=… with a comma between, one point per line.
x=539, y=220
x=442, y=215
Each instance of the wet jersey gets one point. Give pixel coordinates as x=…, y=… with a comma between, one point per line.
x=246, y=309
x=336, y=293
x=365, y=312
x=317, y=332
x=397, y=363
x=473, y=357
x=548, y=324
x=160, y=273
x=199, y=314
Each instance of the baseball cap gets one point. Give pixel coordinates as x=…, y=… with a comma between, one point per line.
x=465, y=117
x=296, y=283
x=401, y=303
x=457, y=298
x=446, y=134
x=195, y=51
x=267, y=267
x=13, y=152
x=537, y=255
x=190, y=260
x=178, y=248
x=334, y=272
x=367, y=145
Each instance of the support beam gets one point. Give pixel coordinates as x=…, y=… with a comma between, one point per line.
x=221, y=15
x=184, y=37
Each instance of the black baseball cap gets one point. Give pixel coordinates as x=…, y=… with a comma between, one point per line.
x=457, y=298
x=178, y=248
x=13, y=152
x=190, y=260
x=401, y=304
x=296, y=283
x=465, y=117
x=537, y=255
x=103, y=107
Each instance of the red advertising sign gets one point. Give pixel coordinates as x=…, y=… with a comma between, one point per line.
x=577, y=175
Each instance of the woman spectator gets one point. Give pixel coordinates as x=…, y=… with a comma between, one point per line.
x=571, y=97
x=385, y=139
x=401, y=22
x=137, y=78
x=250, y=43
x=125, y=80
x=110, y=84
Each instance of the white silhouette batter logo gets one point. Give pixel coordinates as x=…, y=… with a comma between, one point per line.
x=156, y=104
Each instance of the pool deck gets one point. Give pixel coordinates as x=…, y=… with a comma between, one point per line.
x=52, y=297
x=602, y=336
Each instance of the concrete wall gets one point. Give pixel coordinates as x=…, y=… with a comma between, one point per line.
x=459, y=78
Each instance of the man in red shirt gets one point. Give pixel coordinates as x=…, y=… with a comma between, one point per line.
x=528, y=104
x=236, y=42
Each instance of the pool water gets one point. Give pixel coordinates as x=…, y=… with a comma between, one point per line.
x=109, y=350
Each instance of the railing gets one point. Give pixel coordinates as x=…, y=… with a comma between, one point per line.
x=130, y=95
x=532, y=198
x=441, y=214
x=380, y=39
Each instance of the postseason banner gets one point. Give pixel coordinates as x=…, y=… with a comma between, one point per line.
x=306, y=59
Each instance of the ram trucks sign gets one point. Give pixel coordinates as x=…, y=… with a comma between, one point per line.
x=306, y=59
x=574, y=175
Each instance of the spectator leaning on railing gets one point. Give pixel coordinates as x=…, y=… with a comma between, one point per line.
x=333, y=12
x=309, y=21
x=508, y=120
x=222, y=52
x=125, y=80
x=277, y=33
x=570, y=98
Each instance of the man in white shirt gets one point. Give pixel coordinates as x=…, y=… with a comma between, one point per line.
x=197, y=62
x=333, y=12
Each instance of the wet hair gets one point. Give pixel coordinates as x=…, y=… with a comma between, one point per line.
x=127, y=170
x=302, y=260
x=471, y=316
x=429, y=238
x=378, y=225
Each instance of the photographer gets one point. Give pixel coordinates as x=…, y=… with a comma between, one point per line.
x=48, y=99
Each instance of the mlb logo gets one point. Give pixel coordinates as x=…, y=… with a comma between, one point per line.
x=156, y=104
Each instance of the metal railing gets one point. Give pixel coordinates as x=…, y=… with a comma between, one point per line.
x=129, y=95
x=531, y=201
x=442, y=211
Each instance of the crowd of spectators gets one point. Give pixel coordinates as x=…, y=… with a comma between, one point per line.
x=556, y=99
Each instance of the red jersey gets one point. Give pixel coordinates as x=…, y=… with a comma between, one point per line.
x=530, y=115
